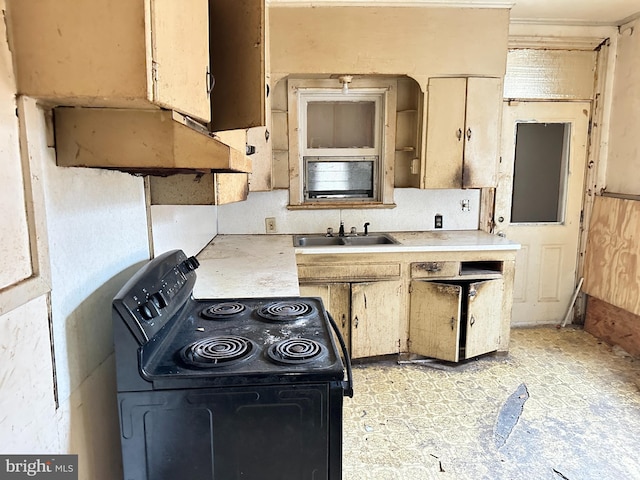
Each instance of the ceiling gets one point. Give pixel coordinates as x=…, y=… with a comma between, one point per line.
x=569, y=12
x=592, y=12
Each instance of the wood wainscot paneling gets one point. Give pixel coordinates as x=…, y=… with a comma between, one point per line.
x=612, y=265
x=613, y=325
x=612, y=272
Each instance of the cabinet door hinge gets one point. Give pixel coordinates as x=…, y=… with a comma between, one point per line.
x=154, y=71
x=154, y=79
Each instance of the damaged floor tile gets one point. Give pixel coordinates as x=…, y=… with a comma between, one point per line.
x=561, y=405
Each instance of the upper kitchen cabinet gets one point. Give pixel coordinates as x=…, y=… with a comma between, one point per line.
x=130, y=80
x=462, y=138
x=237, y=49
x=113, y=53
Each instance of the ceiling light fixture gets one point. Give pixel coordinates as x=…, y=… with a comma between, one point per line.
x=345, y=80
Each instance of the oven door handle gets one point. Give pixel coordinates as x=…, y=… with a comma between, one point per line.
x=348, y=385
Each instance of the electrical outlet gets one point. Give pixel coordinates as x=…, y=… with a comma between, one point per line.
x=466, y=205
x=270, y=224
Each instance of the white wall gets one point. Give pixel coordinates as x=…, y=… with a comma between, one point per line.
x=186, y=227
x=97, y=232
x=623, y=167
x=97, y=237
x=415, y=210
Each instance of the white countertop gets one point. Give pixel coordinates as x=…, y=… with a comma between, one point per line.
x=243, y=266
x=237, y=266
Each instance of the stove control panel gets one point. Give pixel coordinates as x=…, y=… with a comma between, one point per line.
x=156, y=292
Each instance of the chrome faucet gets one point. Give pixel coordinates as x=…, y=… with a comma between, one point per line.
x=341, y=231
x=366, y=228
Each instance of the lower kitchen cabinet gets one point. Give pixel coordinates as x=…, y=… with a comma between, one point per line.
x=455, y=320
x=446, y=305
x=368, y=314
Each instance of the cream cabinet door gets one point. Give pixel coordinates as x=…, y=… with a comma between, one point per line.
x=238, y=63
x=375, y=318
x=463, y=126
x=451, y=321
x=180, y=56
x=482, y=132
x=445, y=132
x=484, y=310
x=337, y=300
x=434, y=322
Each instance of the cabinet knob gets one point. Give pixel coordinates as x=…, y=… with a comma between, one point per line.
x=468, y=134
x=459, y=134
x=472, y=320
x=453, y=323
x=355, y=323
x=344, y=320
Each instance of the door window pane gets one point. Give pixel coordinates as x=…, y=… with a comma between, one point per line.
x=540, y=172
x=341, y=124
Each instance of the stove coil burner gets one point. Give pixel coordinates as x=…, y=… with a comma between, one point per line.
x=285, y=311
x=222, y=310
x=218, y=351
x=296, y=350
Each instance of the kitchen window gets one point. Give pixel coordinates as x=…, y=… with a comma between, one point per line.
x=342, y=154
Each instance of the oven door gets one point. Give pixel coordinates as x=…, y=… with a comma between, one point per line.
x=288, y=432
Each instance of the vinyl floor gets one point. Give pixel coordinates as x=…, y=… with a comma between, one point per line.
x=561, y=405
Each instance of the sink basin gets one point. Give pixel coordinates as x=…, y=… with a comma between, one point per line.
x=319, y=240
x=376, y=239
x=316, y=241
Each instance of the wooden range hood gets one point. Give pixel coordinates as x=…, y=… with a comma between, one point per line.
x=141, y=141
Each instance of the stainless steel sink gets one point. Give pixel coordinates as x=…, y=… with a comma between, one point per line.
x=319, y=240
x=375, y=239
x=316, y=241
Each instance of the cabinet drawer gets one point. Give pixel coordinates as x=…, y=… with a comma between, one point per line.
x=435, y=269
x=349, y=272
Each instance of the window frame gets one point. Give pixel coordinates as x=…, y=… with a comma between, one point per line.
x=303, y=91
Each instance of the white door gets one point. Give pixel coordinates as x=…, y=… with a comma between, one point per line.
x=539, y=203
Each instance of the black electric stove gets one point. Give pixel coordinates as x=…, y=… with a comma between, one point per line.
x=243, y=388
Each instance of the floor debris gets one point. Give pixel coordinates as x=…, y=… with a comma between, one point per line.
x=560, y=474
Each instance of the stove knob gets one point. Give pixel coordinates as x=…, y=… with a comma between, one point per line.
x=189, y=264
x=159, y=299
x=146, y=311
